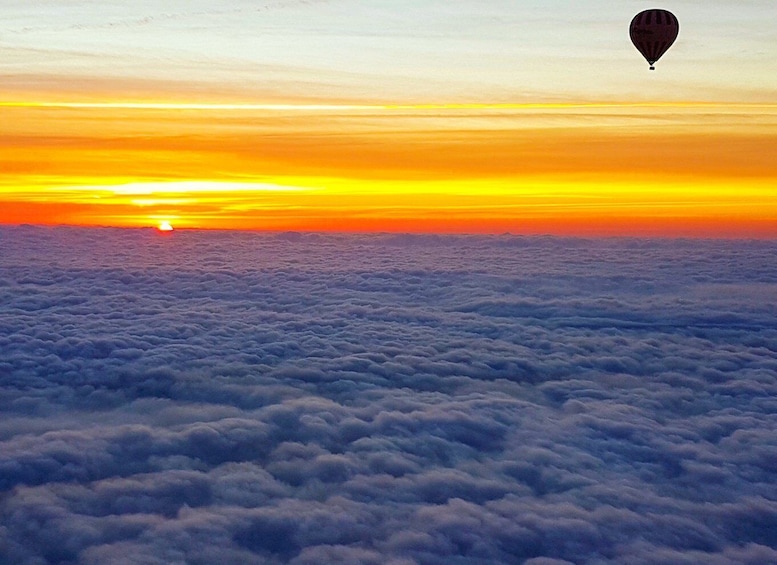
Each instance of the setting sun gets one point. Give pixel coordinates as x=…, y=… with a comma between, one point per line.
x=388, y=281
x=474, y=123
x=585, y=170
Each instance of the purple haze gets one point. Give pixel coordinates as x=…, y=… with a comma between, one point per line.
x=217, y=397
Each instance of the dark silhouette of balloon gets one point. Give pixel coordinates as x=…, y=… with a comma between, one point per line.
x=653, y=32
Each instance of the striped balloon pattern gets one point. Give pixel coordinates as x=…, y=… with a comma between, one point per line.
x=653, y=32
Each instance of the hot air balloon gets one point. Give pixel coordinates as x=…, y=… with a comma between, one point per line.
x=653, y=32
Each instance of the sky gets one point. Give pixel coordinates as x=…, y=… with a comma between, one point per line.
x=425, y=116
x=205, y=397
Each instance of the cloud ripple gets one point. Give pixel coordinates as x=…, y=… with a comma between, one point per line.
x=218, y=397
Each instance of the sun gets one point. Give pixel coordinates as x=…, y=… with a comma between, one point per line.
x=164, y=226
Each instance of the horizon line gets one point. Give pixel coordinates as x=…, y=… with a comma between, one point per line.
x=420, y=233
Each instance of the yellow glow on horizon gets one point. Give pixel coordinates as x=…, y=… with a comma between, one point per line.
x=352, y=205
x=191, y=187
x=538, y=167
x=339, y=107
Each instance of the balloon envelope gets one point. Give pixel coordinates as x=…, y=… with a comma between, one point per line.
x=653, y=32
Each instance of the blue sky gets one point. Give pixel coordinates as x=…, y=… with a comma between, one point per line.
x=429, y=50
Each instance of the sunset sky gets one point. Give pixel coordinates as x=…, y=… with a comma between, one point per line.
x=465, y=116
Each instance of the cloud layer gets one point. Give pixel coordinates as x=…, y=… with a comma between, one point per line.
x=214, y=397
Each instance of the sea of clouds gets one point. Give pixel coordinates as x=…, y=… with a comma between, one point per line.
x=227, y=397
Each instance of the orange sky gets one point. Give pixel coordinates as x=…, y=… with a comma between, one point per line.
x=336, y=115
x=675, y=169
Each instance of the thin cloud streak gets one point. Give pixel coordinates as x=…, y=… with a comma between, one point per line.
x=302, y=107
